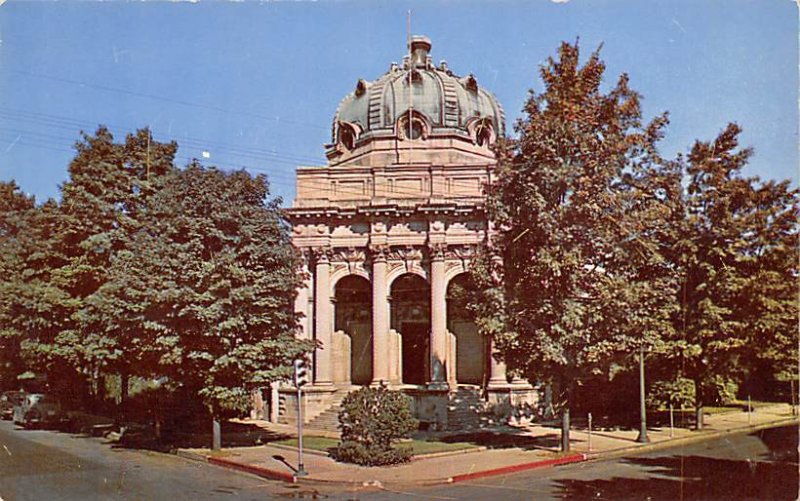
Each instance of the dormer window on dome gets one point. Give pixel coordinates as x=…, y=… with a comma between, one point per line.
x=482, y=132
x=348, y=135
x=417, y=129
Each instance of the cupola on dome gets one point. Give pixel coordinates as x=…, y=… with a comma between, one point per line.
x=416, y=102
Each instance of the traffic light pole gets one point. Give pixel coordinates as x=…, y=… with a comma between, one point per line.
x=301, y=471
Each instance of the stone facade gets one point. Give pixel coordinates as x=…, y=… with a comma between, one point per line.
x=388, y=228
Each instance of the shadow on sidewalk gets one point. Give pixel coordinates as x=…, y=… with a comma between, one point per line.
x=233, y=435
x=505, y=440
x=702, y=477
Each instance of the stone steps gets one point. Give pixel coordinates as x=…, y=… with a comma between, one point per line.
x=465, y=408
x=328, y=420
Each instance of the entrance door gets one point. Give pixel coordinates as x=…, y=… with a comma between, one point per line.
x=416, y=337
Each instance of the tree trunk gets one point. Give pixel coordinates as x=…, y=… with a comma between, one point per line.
x=565, y=424
x=698, y=404
x=216, y=434
x=124, y=380
x=101, y=390
x=157, y=426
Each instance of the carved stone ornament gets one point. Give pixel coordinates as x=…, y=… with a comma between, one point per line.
x=378, y=227
x=351, y=257
x=461, y=252
x=321, y=254
x=409, y=256
x=437, y=251
x=437, y=226
x=378, y=252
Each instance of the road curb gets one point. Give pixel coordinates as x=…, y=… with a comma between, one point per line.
x=192, y=456
x=673, y=442
x=255, y=470
x=573, y=458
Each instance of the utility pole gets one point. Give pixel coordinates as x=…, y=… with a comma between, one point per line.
x=642, y=438
x=410, y=91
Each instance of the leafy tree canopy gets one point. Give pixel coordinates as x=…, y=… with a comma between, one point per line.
x=578, y=203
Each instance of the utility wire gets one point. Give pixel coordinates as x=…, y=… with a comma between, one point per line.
x=166, y=99
x=59, y=122
x=323, y=185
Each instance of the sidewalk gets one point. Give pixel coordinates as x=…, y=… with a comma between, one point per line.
x=541, y=450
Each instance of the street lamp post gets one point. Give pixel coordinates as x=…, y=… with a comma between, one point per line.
x=642, y=438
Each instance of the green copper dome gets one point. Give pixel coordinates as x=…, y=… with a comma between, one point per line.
x=438, y=102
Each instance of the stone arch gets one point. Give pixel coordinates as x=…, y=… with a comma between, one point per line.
x=353, y=317
x=398, y=271
x=454, y=269
x=471, y=347
x=339, y=274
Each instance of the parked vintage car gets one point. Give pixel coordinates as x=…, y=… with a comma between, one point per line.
x=9, y=400
x=38, y=409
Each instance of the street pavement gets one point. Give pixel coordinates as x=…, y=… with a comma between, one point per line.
x=761, y=466
x=752, y=465
x=39, y=465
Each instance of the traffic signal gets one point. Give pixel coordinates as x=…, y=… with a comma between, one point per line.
x=301, y=374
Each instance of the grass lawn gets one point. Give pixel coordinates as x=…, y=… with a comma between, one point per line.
x=417, y=446
x=736, y=405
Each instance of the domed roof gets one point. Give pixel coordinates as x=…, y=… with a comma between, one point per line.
x=439, y=103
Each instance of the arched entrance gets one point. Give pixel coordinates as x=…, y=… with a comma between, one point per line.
x=411, y=307
x=470, y=345
x=354, y=317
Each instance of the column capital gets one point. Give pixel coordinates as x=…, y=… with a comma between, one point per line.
x=378, y=252
x=437, y=251
x=322, y=255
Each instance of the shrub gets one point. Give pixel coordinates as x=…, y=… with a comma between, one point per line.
x=679, y=391
x=720, y=391
x=372, y=420
x=353, y=452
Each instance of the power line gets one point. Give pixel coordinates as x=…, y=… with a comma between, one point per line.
x=260, y=154
x=283, y=179
x=167, y=99
x=59, y=122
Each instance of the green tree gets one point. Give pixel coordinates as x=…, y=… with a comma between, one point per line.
x=104, y=205
x=737, y=256
x=108, y=183
x=211, y=277
x=578, y=202
x=36, y=310
x=15, y=212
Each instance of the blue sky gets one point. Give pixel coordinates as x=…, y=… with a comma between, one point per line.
x=257, y=84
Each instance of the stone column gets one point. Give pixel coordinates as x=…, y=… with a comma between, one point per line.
x=438, y=339
x=323, y=322
x=380, y=319
x=497, y=370
x=301, y=303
